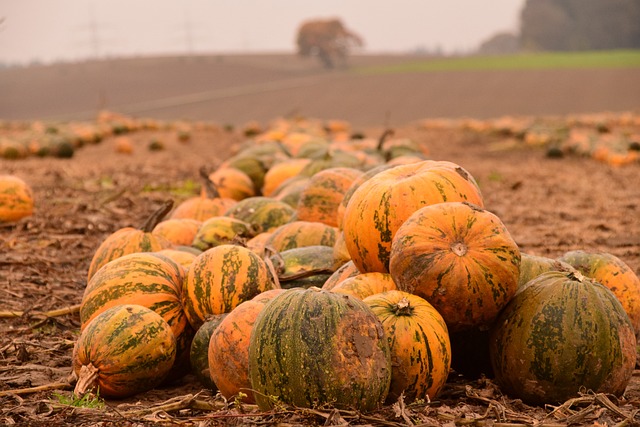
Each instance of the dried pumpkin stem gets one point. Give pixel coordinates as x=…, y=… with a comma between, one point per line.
x=157, y=216
x=210, y=188
x=403, y=308
x=86, y=379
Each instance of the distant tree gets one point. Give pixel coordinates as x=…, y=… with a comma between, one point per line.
x=500, y=44
x=580, y=24
x=329, y=40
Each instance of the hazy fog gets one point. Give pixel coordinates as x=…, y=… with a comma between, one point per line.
x=50, y=30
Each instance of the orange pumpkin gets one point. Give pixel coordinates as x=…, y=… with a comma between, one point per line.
x=179, y=231
x=381, y=205
x=229, y=347
x=460, y=258
x=232, y=183
x=129, y=240
x=263, y=213
x=419, y=344
x=320, y=199
x=16, y=199
x=347, y=270
x=365, y=284
x=280, y=172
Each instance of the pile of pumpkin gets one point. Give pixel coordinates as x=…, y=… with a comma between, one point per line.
x=315, y=268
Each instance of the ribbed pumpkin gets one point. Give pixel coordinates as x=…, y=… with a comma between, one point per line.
x=208, y=204
x=419, y=344
x=125, y=350
x=382, y=204
x=221, y=230
x=16, y=199
x=320, y=199
x=347, y=270
x=219, y=279
x=228, y=352
x=304, y=267
x=232, y=183
x=151, y=280
x=179, y=231
x=263, y=213
x=613, y=273
x=199, y=352
x=365, y=284
x=129, y=240
x=562, y=332
x=297, y=234
x=311, y=347
x=460, y=258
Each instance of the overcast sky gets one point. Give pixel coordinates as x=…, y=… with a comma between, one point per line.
x=50, y=30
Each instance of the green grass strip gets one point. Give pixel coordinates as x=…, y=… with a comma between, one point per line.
x=530, y=61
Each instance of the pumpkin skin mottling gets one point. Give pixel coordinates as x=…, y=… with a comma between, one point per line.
x=312, y=347
x=419, y=344
x=560, y=333
x=132, y=348
x=461, y=259
x=16, y=199
x=381, y=204
x=221, y=278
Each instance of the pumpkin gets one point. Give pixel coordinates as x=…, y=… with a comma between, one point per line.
x=151, y=280
x=304, y=267
x=364, y=285
x=219, y=279
x=310, y=347
x=531, y=266
x=418, y=341
x=460, y=258
x=232, y=183
x=199, y=351
x=208, y=204
x=340, y=252
x=281, y=172
x=182, y=257
x=129, y=240
x=179, y=231
x=320, y=198
x=125, y=350
x=263, y=213
x=258, y=243
x=253, y=165
x=221, y=230
x=383, y=203
x=347, y=270
x=613, y=273
x=561, y=333
x=228, y=351
x=16, y=199
x=297, y=234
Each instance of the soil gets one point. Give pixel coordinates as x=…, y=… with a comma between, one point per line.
x=549, y=205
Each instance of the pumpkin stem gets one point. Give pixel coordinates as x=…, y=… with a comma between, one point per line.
x=272, y=269
x=157, y=216
x=403, y=308
x=459, y=248
x=386, y=134
x=86, y=379
x=210, y=188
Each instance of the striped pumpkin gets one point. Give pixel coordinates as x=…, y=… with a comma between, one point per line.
x=460, y=258
x=130, y=240
x=383, y=203
x=613, y=273
x=347, y=270
x=125, y=350
x=228, y=351
x=320, y=199
x=280, y=172
x=232, y=183
x=297, y=234
x=531, y=266
x=201, y=208
x=311, y=347
x=179, y=231
x=304, y=267
x=263, y=213
x=221, y=278
x=419, y=344
x=561, y=333
x=16, y=199
x=151, y=280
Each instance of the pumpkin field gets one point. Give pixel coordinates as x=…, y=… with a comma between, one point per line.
x=314, y=271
